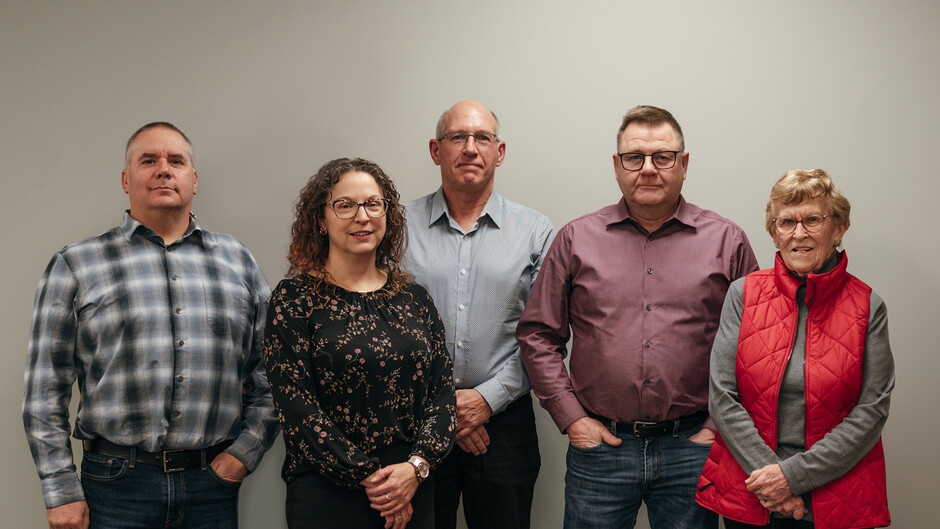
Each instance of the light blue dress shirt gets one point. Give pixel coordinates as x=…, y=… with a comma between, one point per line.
x=480, y=280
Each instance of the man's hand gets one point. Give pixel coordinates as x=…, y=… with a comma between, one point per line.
x=472, y=409
x=588, y=433
x=473, y=440
x=704, y=436
x=229, y=468
x=69, y=516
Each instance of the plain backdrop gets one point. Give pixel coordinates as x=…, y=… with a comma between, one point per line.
x=269, y=91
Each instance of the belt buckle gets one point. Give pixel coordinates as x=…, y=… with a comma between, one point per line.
x=166, y=469
x=641, y=423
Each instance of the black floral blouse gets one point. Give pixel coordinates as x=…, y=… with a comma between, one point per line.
x=354, y=372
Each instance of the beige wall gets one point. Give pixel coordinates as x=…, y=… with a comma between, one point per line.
x=269, y=91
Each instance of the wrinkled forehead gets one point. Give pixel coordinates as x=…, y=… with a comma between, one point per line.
x=158, y=141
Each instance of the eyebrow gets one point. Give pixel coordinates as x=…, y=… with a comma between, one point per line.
x=169, y=156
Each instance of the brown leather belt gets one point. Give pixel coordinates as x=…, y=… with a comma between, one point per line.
x=648, y=430
x=169, y=460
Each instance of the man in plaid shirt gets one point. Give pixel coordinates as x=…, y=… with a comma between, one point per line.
x=160, y=322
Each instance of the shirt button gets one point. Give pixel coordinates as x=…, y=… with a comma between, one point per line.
x=457, y=381
x=176, y=414
x=179, y=311
x=647, y=344
x=174, y=277
x=459, y=343
x=645, y=382
x=181, y=342
x=180, y=378
x=650, y=237
x=461, y=307
x=649, y=307
x=649, y=271
x=463, y=271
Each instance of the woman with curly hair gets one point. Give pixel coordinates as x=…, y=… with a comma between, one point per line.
x=356, y=360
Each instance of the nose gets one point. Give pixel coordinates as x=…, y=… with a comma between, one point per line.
x=471, y=146
x=648, y=168
x=799, y=231
x=361, y=215
x=163, y=168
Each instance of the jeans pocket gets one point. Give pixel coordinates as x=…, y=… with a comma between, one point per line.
x=102, y=468
x=220, y=479
x=589, y=449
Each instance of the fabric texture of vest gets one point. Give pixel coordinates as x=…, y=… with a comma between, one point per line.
x=836, y=326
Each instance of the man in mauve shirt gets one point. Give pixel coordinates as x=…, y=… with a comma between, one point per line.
x=639, y=287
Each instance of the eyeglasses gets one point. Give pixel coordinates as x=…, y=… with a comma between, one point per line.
x=633, y=161
x=811, y=224
x=482, y=139
x=347, y=209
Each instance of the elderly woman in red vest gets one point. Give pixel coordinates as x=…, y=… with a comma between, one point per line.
x=801, y=378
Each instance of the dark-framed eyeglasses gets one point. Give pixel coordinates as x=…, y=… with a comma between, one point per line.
x=482, y=139
x=347, y=209
x=633, y=161
x=811, y=224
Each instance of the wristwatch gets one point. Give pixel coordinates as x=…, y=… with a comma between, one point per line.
x=421, y=468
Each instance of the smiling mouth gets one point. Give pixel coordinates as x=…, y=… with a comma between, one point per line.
x=361, y=233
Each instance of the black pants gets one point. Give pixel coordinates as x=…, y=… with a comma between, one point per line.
x=314, y=502
x=775, y=523
x=497, y=486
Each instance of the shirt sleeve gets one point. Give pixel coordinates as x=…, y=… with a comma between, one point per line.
x=734, y=423
x=846, y=444
x=512, y=381
x=259, y=422
x=308, y=430
x=438, y=422
x=543, y=332
x=47, y=391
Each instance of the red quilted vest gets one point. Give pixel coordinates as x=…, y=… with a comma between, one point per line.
x=835, y=344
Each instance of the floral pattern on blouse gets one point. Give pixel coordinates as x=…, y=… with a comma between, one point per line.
x=355, y=372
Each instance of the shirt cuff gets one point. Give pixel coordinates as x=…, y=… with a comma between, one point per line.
x=565, y=411
x=495, y=395
x=62, y=489
x=796, y=477
x=248, y=449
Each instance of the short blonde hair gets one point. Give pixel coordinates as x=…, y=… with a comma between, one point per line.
x=799, y=185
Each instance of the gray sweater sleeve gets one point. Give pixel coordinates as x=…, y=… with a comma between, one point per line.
x=843, y=447
x=850, y=440
x=724, y=403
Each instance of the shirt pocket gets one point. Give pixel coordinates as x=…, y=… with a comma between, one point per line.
x=228, y=306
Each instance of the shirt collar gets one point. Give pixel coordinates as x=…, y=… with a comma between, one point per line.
x=682, y=214
x=439, y=208
x=130, y=225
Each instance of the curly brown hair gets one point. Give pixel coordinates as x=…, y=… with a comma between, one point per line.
x=309, y=248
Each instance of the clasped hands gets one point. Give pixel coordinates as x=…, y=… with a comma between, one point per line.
x=772, y=489
x=472, y=413
x=390, y=490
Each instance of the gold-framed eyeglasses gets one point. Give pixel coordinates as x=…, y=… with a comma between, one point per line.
x=347, y=209
x=811, y=224
x=633, y=161
x=482, y=139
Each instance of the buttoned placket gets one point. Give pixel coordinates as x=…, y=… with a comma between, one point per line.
x=462, y=359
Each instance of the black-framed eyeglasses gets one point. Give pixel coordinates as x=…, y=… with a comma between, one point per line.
x=347, y=209
x=633, y=161
x=482, y=139
x=811, y=224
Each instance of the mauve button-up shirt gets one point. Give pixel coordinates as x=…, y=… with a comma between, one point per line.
x=642, y=309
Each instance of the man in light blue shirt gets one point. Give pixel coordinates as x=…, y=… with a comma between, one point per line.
x=478, y=253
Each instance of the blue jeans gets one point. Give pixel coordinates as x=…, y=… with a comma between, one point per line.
x=125, y=494
x=605, y=485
